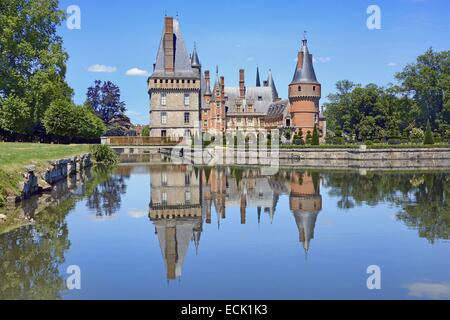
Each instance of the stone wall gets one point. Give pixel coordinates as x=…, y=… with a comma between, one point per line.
x=57, y=171
x=331, y=158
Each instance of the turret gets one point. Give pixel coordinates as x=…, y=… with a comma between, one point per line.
x=304, y=92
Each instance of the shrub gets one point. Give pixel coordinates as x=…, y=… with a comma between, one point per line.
x=437, y=138
x=104, y=154
x=315, y=137
x=428, y=135
x=394, y=141
x=369, y=143
x=417, y=135
x=146, y=131
x=308, y=137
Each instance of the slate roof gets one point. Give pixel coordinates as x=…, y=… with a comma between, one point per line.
x=307, y=73
x=183, y=65
x=262, y=98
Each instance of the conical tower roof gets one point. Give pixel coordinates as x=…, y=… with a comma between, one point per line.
x=258, y=79
x=271, y=84
x=195, y=61
x=306, y=74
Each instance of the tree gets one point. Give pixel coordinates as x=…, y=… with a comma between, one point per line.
x=427, y=83
x=428, y=135
x=61, y=119
x=104, y=99
x=64, y=119
x=14, y=115
x=146, y=131
x=32, y=61
x=315, y=137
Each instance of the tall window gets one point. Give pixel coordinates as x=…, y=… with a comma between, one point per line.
x=187, y=179
x=187, y=197
x=163, y=99
x=164, y=198
x=163, y=117
x=186, y=118
x=187, y=100
x=164, y=133
x=164, y=179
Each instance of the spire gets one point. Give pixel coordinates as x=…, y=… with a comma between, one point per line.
x=172, y=57
x=195, y=61
x=304, y=72
x=258, y=80
x=271, y=84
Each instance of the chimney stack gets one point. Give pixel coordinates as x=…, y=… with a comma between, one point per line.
x=242, y=83
x=222, y=85
x=207, y=79
x=169, y=57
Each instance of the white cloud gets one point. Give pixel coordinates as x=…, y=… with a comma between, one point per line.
x=136, y=72
x=429, y=290
x=136, y=114
x=321, y=59
x=100, y=68
x=392, y=64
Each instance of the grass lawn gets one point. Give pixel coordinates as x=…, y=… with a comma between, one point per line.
x=14, y=157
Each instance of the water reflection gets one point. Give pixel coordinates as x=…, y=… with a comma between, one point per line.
x=182, y=198
x=423, y=198
x=186, y=201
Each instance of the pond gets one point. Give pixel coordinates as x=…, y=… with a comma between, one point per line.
x=166, y=231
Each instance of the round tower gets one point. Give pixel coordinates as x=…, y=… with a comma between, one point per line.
x=305, y=92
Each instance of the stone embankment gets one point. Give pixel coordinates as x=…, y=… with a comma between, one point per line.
x=37, y=182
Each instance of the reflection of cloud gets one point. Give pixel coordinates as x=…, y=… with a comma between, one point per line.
x=429, y=290
x=100, y=68
x=137, y=214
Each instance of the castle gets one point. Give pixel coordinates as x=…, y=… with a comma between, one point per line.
x=183, y=101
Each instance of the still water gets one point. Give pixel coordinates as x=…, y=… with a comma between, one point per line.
x=167, y=231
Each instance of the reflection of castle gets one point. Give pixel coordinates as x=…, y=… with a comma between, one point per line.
x=183, y=197
x=305, y=202
x=175, y=210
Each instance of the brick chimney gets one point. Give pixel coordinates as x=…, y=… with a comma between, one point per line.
x=169, y=57
x=242, y=83
x=207, y=79
x=222, y=85
x=300, y=59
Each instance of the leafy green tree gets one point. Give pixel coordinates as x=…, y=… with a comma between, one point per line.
x=65, y=119
x=61, y=119
x=14, y=114
x=428, y=134
x=32, y=60
x=427, y=83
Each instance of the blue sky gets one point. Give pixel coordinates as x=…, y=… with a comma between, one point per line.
x=123, y=35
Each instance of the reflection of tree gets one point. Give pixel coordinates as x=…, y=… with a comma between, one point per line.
x=430, y=213
x=424, y=197
x=31, y=256
x=106, y=190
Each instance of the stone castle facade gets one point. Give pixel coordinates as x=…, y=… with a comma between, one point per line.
x=183, y=100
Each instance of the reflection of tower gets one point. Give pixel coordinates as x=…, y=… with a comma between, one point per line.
x=175, y=209
x=305, y=202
